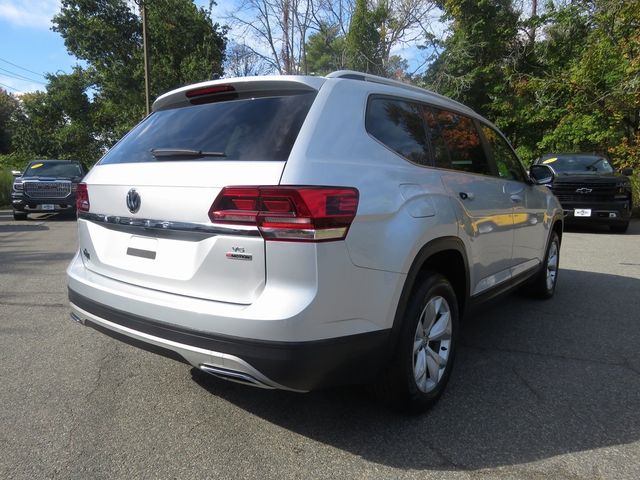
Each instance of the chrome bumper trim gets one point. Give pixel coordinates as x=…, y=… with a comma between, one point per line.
x=166, y=228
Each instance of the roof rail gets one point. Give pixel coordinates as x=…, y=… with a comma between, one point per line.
x=367, y=77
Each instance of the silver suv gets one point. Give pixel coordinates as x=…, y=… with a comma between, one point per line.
x=299, y=232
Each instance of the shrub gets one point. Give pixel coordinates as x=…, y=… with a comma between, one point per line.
x=6, y=182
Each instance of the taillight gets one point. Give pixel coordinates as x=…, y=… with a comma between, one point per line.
x=82, y=198
x=306, y=214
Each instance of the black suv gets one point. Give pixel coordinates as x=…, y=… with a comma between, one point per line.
x=590, y=190
x=46, y=186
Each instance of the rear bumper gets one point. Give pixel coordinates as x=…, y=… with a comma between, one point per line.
x=303, y=334
x=298, y=366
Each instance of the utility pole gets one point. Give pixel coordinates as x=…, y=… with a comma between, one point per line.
x=143, y=12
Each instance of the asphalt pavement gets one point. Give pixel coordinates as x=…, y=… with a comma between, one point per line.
x=541, y=389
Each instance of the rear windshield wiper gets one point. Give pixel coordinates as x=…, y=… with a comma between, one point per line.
x=162, y=153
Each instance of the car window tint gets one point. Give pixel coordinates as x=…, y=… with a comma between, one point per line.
x=506, y=161
x=438, y=145
x=53, y=169
x=577, y=163
x=246, y=129
x=462, y=140
x=398, y=124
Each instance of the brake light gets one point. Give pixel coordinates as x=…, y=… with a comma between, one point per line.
x=196, y=92
x=82, y=198
x=217, y=93
x=305, y=214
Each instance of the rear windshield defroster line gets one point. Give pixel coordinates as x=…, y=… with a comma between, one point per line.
x=249, y=129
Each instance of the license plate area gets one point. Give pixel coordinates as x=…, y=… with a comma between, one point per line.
x=582, y=212
x=47, y=206
x=142, y=247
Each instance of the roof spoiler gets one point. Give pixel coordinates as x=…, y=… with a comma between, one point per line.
x=235, y=86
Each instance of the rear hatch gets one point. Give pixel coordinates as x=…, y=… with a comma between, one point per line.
x=149, y=197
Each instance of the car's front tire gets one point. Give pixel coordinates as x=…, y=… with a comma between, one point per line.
x=19, y=215
x=424, y=356
x=544, y=283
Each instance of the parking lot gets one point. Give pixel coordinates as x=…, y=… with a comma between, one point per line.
x=540, y=389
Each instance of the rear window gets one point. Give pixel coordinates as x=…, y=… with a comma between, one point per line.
x=247, y=129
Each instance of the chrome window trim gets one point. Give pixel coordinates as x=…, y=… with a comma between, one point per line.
x=166, y=228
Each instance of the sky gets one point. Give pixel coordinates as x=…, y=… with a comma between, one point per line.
x=26, y=41
x=29, y=48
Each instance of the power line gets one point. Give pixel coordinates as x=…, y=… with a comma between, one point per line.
x=22, y=68
x=9, y=86
x=17, y=76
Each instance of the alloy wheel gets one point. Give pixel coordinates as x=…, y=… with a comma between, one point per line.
x=432, y=344
x=552, y=265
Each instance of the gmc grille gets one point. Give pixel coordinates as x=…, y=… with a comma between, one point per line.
x=47, y=189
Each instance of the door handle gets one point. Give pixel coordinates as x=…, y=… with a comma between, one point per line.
x=466, y=195
x=516, y=198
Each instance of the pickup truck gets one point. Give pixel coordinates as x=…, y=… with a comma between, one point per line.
x=590, y=190
x=46, y=186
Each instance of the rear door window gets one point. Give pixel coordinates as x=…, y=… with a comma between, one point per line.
x=247, y=129
x=456, y=141
x=398, y=124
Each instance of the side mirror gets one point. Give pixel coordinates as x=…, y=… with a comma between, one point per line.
x=542, y=174
x=16, y=173
x=627, y=172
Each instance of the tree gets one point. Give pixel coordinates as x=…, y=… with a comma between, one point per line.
x=243, y=61
x=363, y=42
x=281, y=27
x=58, y=123
x=397, y=68
x=471, y=66
x=600, y=84
x=8, y=109
x=358, y=34
x=326, y=50
x=185, y=46
x=36, y=126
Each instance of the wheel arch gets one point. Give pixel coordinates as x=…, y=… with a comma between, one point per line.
x=445, y=255
x=558, y=227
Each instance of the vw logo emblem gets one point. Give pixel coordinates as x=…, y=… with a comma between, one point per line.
x=584, y=190
x=133, y=200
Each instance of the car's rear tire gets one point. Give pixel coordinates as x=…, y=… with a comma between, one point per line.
x=19, y=215
x=620, y=228
x=544, y=284
x=424, y=355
